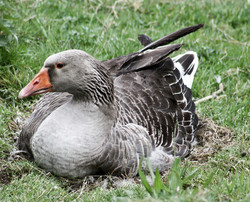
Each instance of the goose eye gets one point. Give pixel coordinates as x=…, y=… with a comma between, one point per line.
x=59, y=65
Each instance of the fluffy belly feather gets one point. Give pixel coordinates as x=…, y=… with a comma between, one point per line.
x=66, y=151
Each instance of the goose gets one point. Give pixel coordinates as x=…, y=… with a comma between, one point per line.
x=103, y=117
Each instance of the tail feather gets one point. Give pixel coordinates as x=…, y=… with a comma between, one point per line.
x=187, y=65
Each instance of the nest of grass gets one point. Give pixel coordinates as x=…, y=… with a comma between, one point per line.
x=210, y=138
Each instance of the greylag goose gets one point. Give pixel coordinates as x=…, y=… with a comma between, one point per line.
x=104, y=116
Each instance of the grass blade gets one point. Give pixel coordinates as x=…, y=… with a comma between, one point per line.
x=209, y=179
x=158, y=184
x=144, y=181
x=191, y=175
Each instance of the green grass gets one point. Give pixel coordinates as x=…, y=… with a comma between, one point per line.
x=30, y=31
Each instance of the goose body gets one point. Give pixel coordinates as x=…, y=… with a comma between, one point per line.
x=104, y=116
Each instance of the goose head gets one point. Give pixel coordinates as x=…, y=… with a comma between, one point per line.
x=75, y=72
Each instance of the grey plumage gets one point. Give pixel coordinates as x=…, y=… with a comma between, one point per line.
x=143, y=98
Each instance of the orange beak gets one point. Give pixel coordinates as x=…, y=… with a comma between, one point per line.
x=40, y=84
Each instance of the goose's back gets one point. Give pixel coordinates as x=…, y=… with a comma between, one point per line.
x=144, y=100
x=157, y=99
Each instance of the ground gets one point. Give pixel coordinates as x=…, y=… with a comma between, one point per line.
x=30, y=31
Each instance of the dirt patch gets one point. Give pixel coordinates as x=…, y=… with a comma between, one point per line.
x=105, y=182
x=210, y=138
x=5, y=176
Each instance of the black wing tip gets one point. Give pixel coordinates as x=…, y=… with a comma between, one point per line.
x=198, y=26
x=178, y=46
x=144, y=39
x=172, y=37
